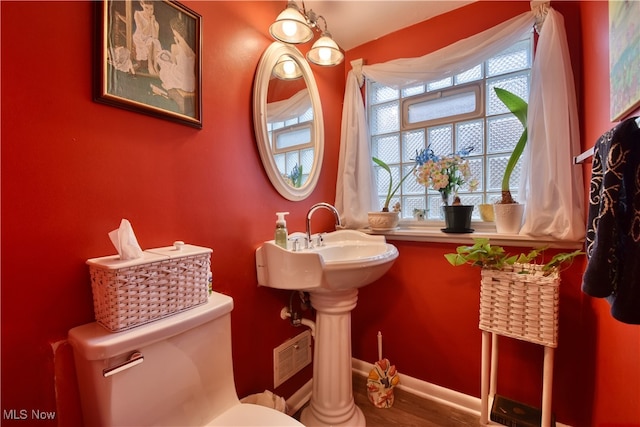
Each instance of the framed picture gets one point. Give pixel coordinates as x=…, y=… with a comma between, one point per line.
x=624, y=57
x=149, y=59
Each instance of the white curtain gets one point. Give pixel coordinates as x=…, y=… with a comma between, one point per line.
x=354, y=195
x=451, y=60
x=297, y=105
x=552, y=185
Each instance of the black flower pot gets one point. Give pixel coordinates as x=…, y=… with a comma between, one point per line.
x=457, y=219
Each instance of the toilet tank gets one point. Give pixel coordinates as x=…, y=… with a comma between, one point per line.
x=185, y=376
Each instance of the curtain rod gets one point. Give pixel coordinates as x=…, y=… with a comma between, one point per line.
x=586, y=154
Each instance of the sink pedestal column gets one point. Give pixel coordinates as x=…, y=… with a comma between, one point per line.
x=332, y=401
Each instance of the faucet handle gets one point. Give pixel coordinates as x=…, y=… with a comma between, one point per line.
x=295, y=244
x=319, y=239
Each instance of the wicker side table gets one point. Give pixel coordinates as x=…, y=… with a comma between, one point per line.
x=522, y=306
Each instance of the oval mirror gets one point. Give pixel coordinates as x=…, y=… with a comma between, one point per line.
x=287, y=120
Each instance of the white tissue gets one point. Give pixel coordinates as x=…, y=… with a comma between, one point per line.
x=125, y=241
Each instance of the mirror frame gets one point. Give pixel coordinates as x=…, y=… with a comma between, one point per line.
x=260, y=89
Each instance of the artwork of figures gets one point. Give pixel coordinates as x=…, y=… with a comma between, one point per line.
x=149, y=59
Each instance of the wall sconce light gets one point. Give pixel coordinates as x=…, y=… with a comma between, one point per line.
x=325, y=50
x=296, y=26
x=291, y=26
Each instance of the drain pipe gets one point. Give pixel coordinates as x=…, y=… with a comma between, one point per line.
x=297, y=321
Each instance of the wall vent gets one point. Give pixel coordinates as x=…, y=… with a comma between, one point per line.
x=290, y=357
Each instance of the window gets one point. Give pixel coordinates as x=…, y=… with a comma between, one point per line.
x=449, y=115
x=292, y=147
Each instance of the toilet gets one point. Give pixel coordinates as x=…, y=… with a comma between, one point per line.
x=177, y=371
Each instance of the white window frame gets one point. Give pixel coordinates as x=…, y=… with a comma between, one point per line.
x=282, y=156
x=406, y=103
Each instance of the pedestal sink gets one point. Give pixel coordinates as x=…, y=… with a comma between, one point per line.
x=331, y=272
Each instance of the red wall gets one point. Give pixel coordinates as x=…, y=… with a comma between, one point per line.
x=71, y=169
x=428, y=310
x=616, y=371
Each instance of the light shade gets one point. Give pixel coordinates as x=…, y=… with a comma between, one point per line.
x=291, y=26
x=325, y=52
x=287, y=69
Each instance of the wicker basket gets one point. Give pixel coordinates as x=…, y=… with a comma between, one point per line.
x=163, y=282
x=522, y=306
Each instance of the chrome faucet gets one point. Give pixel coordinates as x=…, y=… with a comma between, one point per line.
x=315, y=208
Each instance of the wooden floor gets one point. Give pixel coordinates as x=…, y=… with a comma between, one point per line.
x=409, y=410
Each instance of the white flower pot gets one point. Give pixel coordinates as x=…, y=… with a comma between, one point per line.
x=383, y=220
x=508, y=217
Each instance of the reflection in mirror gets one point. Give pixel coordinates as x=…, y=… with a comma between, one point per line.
x=287, y=69
x=288, y=121
x=290, y=126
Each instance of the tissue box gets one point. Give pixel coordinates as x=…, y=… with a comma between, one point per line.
x=165, y=281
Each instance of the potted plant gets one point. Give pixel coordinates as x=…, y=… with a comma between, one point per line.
x=386, y=219
x=518, y=297
x=508, y=212
x=447, y=174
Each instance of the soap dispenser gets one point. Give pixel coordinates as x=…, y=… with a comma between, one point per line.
x=281, y=234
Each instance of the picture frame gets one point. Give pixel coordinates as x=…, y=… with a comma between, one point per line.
x=149, y=59
x=624, y=57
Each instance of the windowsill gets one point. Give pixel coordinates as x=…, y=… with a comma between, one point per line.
x=419, y=231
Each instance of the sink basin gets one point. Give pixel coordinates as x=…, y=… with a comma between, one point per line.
x=348, y=259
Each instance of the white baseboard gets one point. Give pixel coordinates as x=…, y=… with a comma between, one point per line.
x=426, y=390
x=299, y=398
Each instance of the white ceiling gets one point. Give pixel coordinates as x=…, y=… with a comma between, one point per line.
x=354, y=22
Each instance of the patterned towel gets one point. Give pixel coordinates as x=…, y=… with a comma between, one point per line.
x=613, y=225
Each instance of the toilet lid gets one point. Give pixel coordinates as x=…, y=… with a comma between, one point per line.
x=248, y=414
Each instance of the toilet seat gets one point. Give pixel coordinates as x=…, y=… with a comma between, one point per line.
x=248, y=414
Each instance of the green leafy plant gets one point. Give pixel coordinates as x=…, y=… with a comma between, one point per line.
x=485, y=255
x=392, y=190
x=518, y=107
